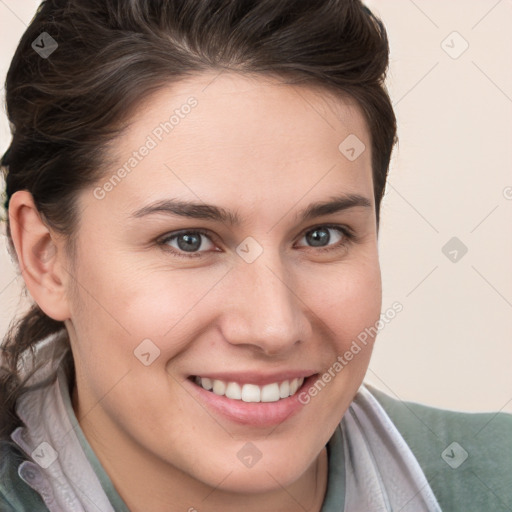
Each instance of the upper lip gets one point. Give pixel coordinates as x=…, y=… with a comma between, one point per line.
x=258, y=378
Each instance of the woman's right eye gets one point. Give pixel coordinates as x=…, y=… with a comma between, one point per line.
x=188, y=243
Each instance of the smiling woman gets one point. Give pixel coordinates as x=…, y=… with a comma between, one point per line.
x=204, y=318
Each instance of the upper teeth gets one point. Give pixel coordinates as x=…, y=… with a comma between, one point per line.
x=251, y=392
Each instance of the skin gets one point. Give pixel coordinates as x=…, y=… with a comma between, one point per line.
x=263, y=150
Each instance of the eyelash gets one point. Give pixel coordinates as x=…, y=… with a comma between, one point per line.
x=348, y=238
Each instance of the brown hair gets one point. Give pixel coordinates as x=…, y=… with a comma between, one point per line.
x=67, y=107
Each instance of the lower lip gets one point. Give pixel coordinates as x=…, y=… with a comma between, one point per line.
x=262, y=414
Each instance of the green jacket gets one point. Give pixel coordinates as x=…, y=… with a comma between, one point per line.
x=466, y=458
x=483, y=481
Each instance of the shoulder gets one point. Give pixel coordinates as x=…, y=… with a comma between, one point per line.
x=15, y=494
x=466, y=457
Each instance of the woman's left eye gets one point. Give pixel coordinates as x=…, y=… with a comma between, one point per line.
x=327, y=237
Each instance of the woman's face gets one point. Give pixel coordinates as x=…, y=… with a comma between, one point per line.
x=209, y=256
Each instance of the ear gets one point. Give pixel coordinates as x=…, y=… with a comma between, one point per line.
x=41, y=256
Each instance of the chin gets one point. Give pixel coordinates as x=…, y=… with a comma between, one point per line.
x=265, y=475
x=256, y=481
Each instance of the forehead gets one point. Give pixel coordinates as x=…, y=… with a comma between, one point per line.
x=235, y=137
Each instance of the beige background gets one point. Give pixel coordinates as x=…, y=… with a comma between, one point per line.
x=451, y=346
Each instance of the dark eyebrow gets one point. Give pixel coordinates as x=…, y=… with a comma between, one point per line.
x=333, y=205
x=216, y=213
x=188, y=209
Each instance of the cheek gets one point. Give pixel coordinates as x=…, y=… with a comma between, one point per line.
x=349, y=306
x=167, y=304
x=137, y=299
x=348, y=299
x=126, y=314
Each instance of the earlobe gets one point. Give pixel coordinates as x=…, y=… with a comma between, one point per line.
x=40, y=257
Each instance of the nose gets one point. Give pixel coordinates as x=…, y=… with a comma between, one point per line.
x=263, y=309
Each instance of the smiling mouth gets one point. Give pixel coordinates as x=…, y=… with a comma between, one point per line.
x=272, y=392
